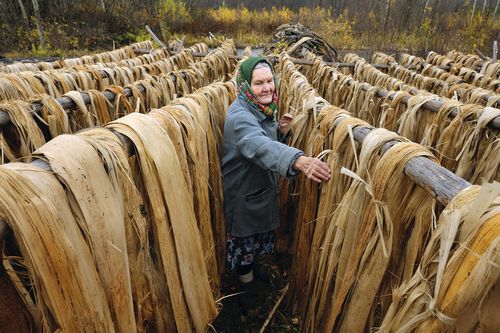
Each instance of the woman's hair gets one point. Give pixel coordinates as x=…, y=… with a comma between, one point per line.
x=262, y=64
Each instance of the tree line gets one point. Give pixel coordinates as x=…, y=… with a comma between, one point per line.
x=53, y=24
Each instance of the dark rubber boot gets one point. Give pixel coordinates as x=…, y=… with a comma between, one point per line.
x=248, y=297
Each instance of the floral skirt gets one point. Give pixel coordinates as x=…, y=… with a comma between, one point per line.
x=242, y=250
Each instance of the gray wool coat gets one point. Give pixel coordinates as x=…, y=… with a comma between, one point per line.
x=252, y=161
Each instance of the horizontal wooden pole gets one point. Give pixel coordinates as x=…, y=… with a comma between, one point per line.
x=440, y=182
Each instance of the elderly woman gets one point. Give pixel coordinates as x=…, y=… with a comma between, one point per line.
x=253, y=158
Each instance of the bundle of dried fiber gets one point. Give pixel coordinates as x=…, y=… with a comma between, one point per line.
x=456, y=284
x=409, y=60
x=66, y=292
x=96, y=199
x=335, y=130
x=53, y=114
x=14, y=87
x=21, y=67
x=393, y=218
x=491, y=69
x=177, y=240
x=414, y=121
x=467, y=93
x=438, y=59
x=392, y=110
x=462, y=144
x=148, y=283
x=382, y=58
x=201, y=116
x=469, y=60
x=214, y=100
x=22, y=136
x=156, y=92
x=110, y=56
x=121, y=104
x=326, y=252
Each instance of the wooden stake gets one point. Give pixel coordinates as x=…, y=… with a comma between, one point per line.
x=275, y=307
x=156, y=39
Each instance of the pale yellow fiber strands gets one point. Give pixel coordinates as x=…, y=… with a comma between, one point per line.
x=21, y=139
x=69, y=294
x=97, y=202
x=455, y=287
x=147, y=280
x=174, y=224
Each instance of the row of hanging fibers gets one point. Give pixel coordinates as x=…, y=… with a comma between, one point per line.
x=456, y=87
x=57, y=82
x=126, y=52
x=310, y=223
x=458, y=60
x=155, y=275
x=27, y=129
x=458, y=134
x=369, y=227
x=462, y=92
x=464, y=74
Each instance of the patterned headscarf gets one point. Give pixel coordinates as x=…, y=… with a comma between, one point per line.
x=244, y=79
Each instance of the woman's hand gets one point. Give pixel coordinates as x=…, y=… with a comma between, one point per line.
x=313, y=168
x=285, y=123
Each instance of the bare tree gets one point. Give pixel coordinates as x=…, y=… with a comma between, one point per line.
x=39, y=23
x=26, y=22
x=473, y=9
x=387, y=7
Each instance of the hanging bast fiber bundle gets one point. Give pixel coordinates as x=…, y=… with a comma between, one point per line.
x=176, y=237
x=66, y=292
x=97, y=204
x=148, y=283
x=335, y=130
x=201, y=116
x=53, y=114
x=455, y=287
x=22, y=136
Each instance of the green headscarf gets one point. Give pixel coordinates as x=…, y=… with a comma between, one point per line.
x=244, y=80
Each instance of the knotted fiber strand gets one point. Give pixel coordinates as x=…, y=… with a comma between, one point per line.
x=455, y=287
x=68, y=294
x=97, y=201
x=176, y=237
x=23, y=136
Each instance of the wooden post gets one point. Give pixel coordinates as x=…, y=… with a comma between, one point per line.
x=156, y=39
x=495, y=51
x=480, y=54
x=181, y=43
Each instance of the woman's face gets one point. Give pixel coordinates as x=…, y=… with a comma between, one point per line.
x=263, y=85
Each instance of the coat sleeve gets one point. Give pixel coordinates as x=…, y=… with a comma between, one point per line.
x=253, y=142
